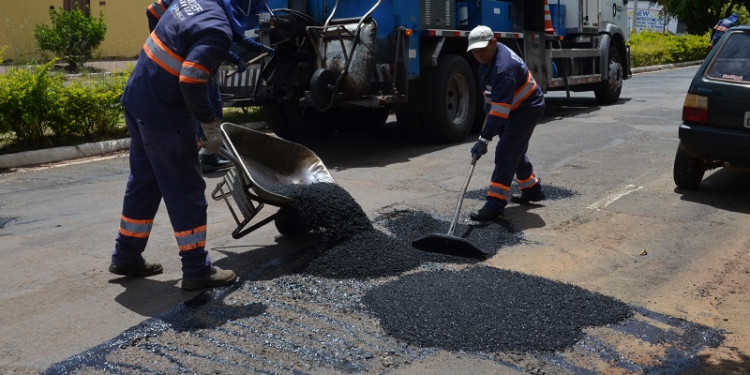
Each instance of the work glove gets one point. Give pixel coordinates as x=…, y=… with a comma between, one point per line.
x=241, y=67
x=480, y=148
x=211, y=136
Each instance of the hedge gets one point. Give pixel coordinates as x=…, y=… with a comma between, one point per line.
x=41, y=108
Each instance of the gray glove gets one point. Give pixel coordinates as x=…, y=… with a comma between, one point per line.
x=212, y=136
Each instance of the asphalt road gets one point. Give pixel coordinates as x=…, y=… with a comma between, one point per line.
x=618, y=272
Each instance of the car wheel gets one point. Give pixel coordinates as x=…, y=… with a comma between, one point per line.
x=688, y=171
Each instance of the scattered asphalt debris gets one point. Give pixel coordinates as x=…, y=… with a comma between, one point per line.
x=552, y=192
x=487, y=309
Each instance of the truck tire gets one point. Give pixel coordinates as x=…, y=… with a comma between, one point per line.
x=609, y=91
x=290, y=121
x=688, y=171
x=454, y=94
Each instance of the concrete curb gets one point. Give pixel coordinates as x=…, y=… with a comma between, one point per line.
x=51, y=155
x=653, y=68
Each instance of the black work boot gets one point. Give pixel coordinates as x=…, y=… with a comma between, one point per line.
x=492, y=210
x=216, y=278
x=532, y=194
x=141, y=269
x=213, y=162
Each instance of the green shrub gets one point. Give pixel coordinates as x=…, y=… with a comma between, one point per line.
x=73, y=36
x=39, y=109
x=26, y=100
x=652, y=48
x=90, y=110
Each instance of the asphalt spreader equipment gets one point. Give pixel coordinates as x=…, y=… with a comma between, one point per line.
x=263, y=164
x=448, y=243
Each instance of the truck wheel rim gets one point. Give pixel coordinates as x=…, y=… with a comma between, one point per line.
x=457, y=100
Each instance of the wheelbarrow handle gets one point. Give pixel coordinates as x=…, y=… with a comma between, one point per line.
x=252, y=61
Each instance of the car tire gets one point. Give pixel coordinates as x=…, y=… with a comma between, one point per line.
x=688, y=171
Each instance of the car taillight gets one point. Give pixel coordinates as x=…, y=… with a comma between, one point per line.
x=695, y=108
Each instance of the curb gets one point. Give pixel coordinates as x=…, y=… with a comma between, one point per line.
x=653, y=68
x=51, y=155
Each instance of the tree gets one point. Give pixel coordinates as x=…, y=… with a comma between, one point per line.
x=699, y=16
x=73, y=36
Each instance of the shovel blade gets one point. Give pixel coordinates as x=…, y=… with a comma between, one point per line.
x=450, y=245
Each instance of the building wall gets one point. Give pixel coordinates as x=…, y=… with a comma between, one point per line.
x=127, y=27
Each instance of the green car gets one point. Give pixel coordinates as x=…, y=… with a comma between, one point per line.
x=716, y=113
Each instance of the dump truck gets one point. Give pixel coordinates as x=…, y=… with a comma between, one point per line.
x=349, y=64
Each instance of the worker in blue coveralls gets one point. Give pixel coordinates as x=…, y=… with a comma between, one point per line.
x=514, y=105
x=166, y=99
x=722, y=27
x=213, y=161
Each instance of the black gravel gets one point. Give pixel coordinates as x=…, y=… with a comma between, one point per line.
x=552, y=192
x=489, y=237
x=327, y=211
x=487, y=309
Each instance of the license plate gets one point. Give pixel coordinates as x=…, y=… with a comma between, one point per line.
x=747, y=120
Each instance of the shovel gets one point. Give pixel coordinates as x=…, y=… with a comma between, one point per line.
x=448, y=243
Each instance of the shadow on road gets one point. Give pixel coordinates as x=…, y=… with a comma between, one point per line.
x=725, y=189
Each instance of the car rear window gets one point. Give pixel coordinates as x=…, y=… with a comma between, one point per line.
x=732, y=62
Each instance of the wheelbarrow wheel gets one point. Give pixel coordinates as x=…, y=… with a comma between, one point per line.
x=288, y=223
x=322, y=88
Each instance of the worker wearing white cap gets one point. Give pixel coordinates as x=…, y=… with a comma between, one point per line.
x=514, y=104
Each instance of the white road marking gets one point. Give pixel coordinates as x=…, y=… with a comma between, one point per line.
x=609, y=199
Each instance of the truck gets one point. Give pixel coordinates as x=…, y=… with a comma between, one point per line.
x=349, y=64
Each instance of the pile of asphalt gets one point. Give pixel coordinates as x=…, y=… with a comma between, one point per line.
x=327, y=211
x=477, y=309
x=487, y=309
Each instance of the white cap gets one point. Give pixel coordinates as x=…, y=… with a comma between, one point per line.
x=480, y=37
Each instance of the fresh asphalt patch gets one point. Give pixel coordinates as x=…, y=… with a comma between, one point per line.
x=368, y=302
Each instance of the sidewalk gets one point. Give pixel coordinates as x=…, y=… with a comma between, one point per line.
x=52, y=155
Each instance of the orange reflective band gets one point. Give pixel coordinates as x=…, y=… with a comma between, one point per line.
x=191, y=239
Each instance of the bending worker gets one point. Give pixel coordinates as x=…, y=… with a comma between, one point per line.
x=166, y=99
x=212, y=161
x=515, y=104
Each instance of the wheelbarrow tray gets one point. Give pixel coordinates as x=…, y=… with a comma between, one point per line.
x=263, y=164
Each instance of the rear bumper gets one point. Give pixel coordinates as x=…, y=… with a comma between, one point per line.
x=713, y=143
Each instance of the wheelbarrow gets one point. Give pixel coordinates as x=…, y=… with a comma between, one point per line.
x=262, y=164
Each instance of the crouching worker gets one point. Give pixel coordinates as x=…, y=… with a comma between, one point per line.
x=515, y=104
x=166, y=99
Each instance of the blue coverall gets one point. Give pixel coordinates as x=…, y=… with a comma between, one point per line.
x=166, y=97
x=514, y=105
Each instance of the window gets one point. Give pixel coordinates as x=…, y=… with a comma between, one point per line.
x=732, y=62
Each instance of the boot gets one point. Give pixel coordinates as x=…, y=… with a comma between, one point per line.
x=142, y=269
x=213, y=162
x=532, y=194
x=216, y=278
x=492, y=210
